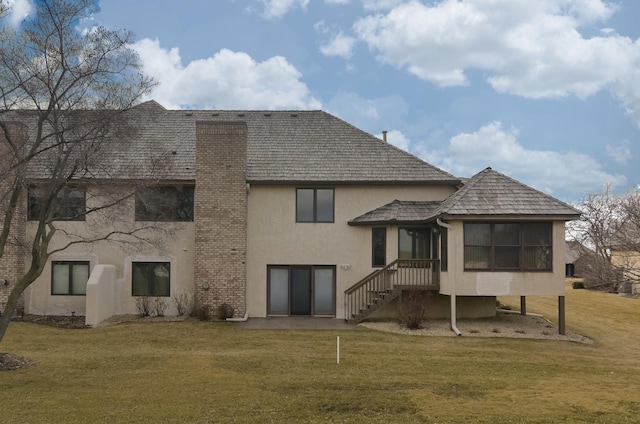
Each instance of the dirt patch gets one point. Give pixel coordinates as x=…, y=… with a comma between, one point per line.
x=120, y=319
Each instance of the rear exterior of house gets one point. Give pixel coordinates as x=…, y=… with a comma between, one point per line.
x=294, y=213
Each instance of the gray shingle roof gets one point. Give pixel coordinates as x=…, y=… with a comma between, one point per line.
x=283, y=146
x=490, y=193
x=398, y=211
x=574, y=250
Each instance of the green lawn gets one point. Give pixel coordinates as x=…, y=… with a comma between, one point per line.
x=200, y=372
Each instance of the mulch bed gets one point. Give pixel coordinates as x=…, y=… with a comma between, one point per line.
x=54, y=320
x=9, y=361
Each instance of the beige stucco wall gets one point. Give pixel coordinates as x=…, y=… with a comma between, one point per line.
x=502, y=283
x=175, y=246
x=100, y=297
x=274, y=237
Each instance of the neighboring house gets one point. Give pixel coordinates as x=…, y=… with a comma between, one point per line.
x=624, y=248
x=627, y=262
x=577, y=258
x=286, y=213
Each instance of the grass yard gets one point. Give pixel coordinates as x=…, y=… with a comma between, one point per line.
x=195, y=372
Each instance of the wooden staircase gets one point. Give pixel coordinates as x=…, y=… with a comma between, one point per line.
x=387, y=284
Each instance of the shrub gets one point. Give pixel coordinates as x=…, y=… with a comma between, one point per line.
x=412, y=308
x=225, y=311
x=184, y=303
x=201, y=312
x=159, y=306
x=577, y=285
x=143, y=305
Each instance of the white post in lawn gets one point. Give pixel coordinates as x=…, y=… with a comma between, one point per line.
x=338, y=350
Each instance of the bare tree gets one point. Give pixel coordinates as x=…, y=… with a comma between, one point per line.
x=610, y=226
x=64, y=94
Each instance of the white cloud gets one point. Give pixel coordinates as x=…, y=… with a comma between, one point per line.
x=627, y=89
x=227, y=80
x=373, y=115
x=528, y=48
x=549, y=171
x=277, y=8
x=18, y=10
x=370, y=4
x=380, y=4
x=620, y=153
x=341, y=45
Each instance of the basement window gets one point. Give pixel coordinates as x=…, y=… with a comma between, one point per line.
x=150, y=278
x=69, y=278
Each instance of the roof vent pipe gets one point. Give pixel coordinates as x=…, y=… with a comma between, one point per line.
x=384, y=136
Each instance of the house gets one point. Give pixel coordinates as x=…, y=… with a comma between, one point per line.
x=285, y=213
x=624, y=249
x=577, y=258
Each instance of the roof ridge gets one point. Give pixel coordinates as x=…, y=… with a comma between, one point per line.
x=472, y=182
x=548, y=196
x=386, y=143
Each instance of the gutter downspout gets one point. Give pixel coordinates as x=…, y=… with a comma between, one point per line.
x=243, y=319
x=246, y=313
x=452, y=296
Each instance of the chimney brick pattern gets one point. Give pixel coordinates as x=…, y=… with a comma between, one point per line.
x=221, y=215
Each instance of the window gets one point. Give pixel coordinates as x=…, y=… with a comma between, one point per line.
x=414, y=243
x=150, y=279
x=69, y=278
x=164, y=203
x=379, y=246
x=444, y=249
x=314, y=205
x=68, y=205
x=507, y=246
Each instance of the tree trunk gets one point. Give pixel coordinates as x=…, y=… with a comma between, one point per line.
x=10, y=308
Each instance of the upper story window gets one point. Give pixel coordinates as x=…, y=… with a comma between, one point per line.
x=508, y=246
x=164, y=203
x=69, y=203
x=314, y=205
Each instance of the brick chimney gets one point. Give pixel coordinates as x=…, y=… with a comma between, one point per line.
x=221, y=215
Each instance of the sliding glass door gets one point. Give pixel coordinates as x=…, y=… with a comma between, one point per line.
x=301, y=290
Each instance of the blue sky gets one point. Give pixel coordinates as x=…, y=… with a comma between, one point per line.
x=546, y=91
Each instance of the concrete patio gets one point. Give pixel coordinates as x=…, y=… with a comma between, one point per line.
x=296, y=323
